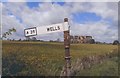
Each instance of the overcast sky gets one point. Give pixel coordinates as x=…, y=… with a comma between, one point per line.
x=96, y=19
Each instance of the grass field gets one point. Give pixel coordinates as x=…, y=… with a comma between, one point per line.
x=47, y=58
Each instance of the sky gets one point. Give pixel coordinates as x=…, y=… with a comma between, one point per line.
x=96, y=19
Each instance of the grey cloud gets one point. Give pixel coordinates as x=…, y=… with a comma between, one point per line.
x=47, y=14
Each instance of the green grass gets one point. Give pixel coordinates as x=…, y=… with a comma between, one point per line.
x=44, y=58
x=108, y=68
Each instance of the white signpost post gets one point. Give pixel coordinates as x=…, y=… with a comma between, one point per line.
x=52, y=29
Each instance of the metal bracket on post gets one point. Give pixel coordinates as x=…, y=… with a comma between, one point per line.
x=67, y=50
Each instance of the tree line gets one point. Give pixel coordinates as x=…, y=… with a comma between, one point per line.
x=13, y=30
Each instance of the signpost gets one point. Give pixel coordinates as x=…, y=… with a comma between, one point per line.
x=67, y=50
x=52, y=29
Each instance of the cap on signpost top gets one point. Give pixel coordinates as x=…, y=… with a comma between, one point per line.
x=65, y=19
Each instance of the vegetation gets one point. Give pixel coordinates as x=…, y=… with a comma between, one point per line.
x=47, y=58
x=116, y=42
x=108, y=68
x=9, y=32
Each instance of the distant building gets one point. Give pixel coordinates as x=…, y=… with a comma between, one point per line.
x=81, y=39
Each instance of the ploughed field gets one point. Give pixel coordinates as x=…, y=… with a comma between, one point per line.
x=47, y=58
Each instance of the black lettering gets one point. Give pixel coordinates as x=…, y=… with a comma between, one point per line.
x=33, y=31
x=55, y=28
x=48, y=29
x=51, y=28
x=27, y=32
x=58, y=28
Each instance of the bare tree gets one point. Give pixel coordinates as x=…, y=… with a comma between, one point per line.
x=9, y=32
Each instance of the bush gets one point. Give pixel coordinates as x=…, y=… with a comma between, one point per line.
x=116, y=42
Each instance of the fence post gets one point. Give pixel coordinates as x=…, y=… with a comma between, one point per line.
x=67, y=50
